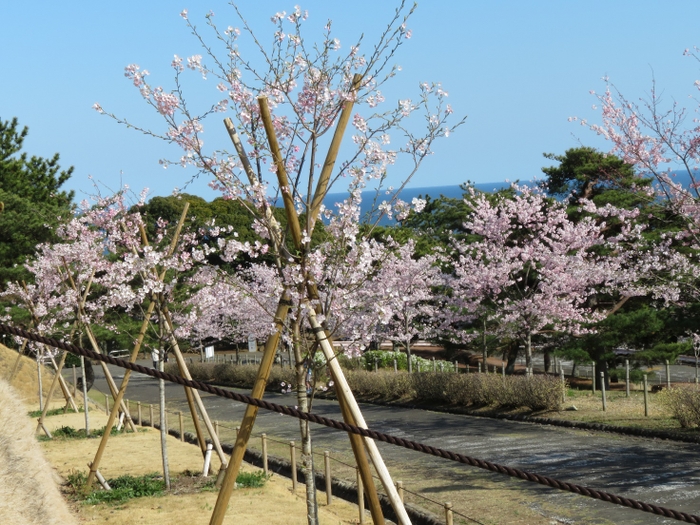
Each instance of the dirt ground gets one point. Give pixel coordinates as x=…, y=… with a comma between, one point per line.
x=140, y=453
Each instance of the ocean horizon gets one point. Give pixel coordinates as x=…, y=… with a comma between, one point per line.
x=453, y=191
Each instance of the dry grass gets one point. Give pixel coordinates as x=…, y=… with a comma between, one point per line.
x=28, y=488
x=139, y=453
x=620, y=410
x=25, y=381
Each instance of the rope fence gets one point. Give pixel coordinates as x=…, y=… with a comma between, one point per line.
x=365, y=432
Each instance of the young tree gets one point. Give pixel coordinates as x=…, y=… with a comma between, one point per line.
x=283, y=106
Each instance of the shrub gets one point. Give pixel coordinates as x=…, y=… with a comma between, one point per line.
x=382, y=384
x=541, y=392
x=684, y=402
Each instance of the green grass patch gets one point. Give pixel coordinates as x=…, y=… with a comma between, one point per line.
x=128, y=487
x=52, y=412
x=67, y=432
x=251, y=480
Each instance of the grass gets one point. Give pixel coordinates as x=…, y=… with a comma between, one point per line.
x=68, y=432
x=52, y=412
x=126, y=487
x=620, y=410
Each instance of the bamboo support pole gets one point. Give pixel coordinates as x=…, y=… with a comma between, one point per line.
x=360, y=495
x=20, y=353
x=343, y=389
x=358, y=449
x=287, y=197
x=64, y=387
x=184, y=371
x=332, y=155
x=250, y=414
x=52, y=388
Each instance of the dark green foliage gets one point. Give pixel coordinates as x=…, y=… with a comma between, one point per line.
x=33, y=201
x=67, y=432
x=52, y=412
x=586, y=172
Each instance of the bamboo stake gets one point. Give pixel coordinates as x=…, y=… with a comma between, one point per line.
x=332, y=154
x=52, y=388
x=343, y=389
x=18, y=360
x=287, y=196
x=250, y=414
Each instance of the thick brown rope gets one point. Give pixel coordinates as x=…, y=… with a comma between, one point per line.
x=366, y=432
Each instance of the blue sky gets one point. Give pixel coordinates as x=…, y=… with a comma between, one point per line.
x=517, y=69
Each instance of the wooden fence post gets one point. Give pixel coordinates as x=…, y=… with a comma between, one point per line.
x=627, y=377
x=182, y=426
x=668, y=374
x=264, y=453
x=150, y=412
x=138, y=409
x=399, y=489
x=602, y=390
x=593, y=376
x=329, y=483
x=646, y=397
x=75, y=382
x=448, y=513
x=293, y=455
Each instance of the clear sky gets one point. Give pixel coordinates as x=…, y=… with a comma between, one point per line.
x=517, y=69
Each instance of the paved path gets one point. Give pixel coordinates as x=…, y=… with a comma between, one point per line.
x=660, y=472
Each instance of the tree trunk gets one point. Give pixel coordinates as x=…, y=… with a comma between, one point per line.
x=511, y=354
x=602, y=366
x=484, y=349
x=163, y=429
x=307, y=457
x=528, y=352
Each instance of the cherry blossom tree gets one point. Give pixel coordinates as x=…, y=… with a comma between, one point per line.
x=537, y=268
x=286, y=106
x=661, y=139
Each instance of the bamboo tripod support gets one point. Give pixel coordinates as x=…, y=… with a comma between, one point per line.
x=35, y=322
x=194, y=399
x=127, y=374
x=52, y=388
x=271, y=344
x=96, y=348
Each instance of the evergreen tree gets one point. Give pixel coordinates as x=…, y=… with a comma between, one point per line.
x=33, y=201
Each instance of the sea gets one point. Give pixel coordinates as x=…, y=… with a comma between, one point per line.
x=452, y=191
x=370, y=199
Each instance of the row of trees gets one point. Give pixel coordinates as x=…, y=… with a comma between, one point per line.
x=605, y=243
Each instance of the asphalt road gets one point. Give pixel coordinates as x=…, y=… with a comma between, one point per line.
x=660, y=472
